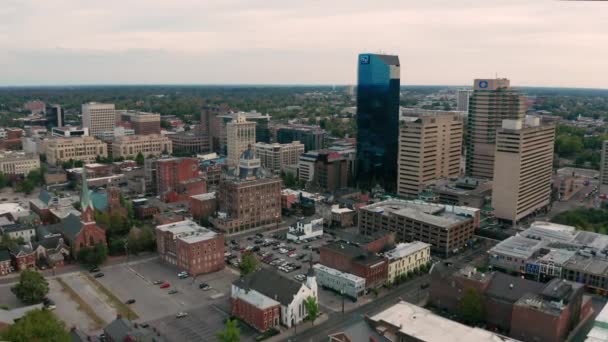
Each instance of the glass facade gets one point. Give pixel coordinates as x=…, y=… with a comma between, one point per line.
x=377, y=120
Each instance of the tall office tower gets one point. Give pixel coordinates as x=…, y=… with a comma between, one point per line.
x=54, y=116
x=603, y=190
x=240, y=137
x=274, y=157
x=430, y=144
x=462, y=100
x=377, y=120
x=98, y=117
x=523, y=166
x=492, y=101
x=208, y=113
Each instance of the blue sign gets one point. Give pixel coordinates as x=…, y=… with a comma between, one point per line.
x=532, y=269
x=364, y=59
x=483, y=84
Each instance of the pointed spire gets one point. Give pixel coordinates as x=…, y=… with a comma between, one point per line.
x=84, y=196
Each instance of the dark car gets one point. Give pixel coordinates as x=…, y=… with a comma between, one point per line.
x=94, y=269
x=98, y=275
x=130, y=301
x=424, y=286
x=144, y=325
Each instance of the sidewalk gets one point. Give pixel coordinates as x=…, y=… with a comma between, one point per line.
x=287, y=333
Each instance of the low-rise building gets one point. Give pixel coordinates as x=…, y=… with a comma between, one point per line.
x=306, y=228
x=203, y=206
x=342, y=217
x=189, y=143
x=356, y=260
x=190, y=247
x=148, y=145
x=17, y=230
x=5, y=261
x=447, y=228
x=69, y=131
x=468, y=192
x=122, y=330
x=275, y=288
x=18, y=163
x=406, y=258
x=341, y=282
x=24, y=257
x=83, y=148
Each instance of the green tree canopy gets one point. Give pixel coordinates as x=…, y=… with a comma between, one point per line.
x=96, y=255
x=470, y=307
x=248, y=264
x=312, y=308
x=231, y=333
x=37, y=326
x=32, y=287
x=139, y=159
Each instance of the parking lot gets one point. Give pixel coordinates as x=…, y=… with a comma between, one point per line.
x=136, y=281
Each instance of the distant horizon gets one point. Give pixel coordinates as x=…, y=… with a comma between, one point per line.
x=263, y=85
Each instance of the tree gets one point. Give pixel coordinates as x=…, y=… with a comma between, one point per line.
x=248, y=264
x=4, y=181
x=312, y=308
x=37, y=325
x=140, y=159
x=25, y=186
x=232, y=333
x=32, y=287
x=470, y=308
x=96, y=255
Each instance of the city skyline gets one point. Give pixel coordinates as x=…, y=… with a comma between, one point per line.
x=239, y=42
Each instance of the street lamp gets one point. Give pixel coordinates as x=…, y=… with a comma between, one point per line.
x=342, y=295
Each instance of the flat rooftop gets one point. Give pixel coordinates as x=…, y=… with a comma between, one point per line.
x=337, y=273
x=405, y=249
x=429, y=213
x=586, y=264
x=256, y=299
x=423, y=325
x=188, y=231
x=518, y=246
x=204, y=197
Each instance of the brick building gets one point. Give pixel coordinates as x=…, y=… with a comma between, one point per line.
x=256, y=309
x=355, y=260
x=203, y=206
x=178, y=179
x=190, y=247
x=24, y=257
x=5, y=262
x=248, y=200
x=331, y=171
x=528, y=310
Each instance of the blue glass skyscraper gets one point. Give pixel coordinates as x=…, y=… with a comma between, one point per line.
x=377, y=120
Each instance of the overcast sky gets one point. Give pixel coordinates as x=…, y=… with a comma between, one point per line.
x=532, y=42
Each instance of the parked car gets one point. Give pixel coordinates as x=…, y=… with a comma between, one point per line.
x=174, y=291
x=181, y=314
x=165, y=285
x=49, y=304
x=98, y=275
x=94, y=270
x=130, y=301
x=204, y=286
x=158, y=282
x=183, y=275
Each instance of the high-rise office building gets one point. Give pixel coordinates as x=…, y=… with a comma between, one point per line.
x=522, y=168
x=98, y=117
x=430, y=144
x=313, y=137
x=276, y=156
x=143, y=123
x=492, y=101
x=604, y=169
x=240, y=137
x=462, y=100
x=54, y=116
x=377, y=119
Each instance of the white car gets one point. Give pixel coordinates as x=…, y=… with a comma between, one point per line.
x=181, y=314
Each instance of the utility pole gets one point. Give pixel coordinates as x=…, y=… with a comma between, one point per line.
x=342, y=294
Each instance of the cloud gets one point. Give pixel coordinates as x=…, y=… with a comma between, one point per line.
x=541, y=42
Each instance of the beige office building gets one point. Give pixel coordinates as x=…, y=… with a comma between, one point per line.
x=276, y=156
x=18, y=163
x=522, y=168
x=85, y=148
x=604, y=170
x=148, y=145
x=240, y=135
x=98, y=117
x=430, y=144
x=492, y=101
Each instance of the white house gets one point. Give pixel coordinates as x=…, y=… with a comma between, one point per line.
x=306, y=229
x=288, y=292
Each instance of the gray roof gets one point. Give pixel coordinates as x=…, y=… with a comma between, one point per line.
x=70, y=226
x=15, y=227
x=271, y=284
x=389, y=59
x=5, y=255
x=500, y=287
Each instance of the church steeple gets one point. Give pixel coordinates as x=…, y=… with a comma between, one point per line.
x=85, y=200
x=86, y=206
